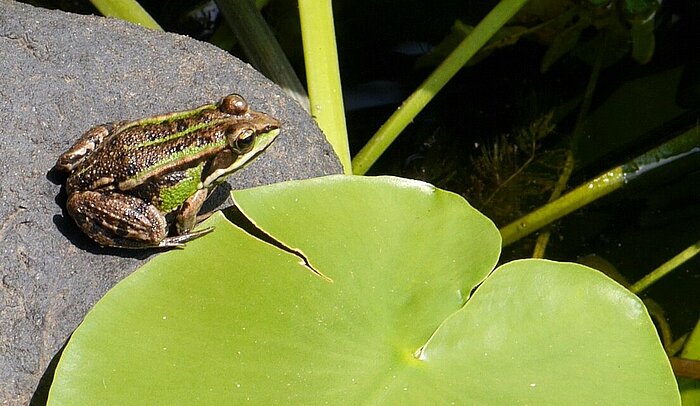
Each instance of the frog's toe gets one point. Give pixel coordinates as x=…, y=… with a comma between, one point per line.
x=179, y=241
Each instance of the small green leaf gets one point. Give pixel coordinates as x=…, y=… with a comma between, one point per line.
x=643, y=42
x=565, y=41
x=641, y=6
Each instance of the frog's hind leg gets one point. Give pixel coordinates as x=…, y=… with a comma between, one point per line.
x=87, y=143
x=117, y=220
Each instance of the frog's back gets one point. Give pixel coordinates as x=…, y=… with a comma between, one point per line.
x=135, y=154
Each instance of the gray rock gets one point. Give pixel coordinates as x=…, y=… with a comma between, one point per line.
x=62, y=74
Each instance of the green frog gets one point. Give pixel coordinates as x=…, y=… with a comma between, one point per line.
x=131, y=182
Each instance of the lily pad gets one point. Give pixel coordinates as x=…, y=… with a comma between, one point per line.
x=232, y=318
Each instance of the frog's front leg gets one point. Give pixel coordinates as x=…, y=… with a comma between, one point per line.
x=118, y=220
x=187, y=216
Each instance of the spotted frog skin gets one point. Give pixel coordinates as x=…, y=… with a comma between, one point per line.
x=129, y=183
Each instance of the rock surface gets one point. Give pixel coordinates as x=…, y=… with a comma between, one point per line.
x=62, y=74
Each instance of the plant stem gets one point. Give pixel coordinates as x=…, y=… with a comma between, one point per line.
x=543, y=239
x=666, y=268
x=388, y=132
x=323, y=74
x=674, y=150
x=261, y=47
x=577, y=198
x=127, y=10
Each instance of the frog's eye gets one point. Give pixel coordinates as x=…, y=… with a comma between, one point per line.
x=234, y=104
x=245, y=140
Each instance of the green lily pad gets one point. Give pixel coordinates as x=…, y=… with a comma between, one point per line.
x=690, y=388
x=232, y=319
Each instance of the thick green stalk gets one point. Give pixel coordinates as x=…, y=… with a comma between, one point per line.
x=261, y=47
x=128, y=10
x=323, y=74
x=543, y=238
x=680, y=147
x=577, y=198
x=666, y=268
x=403, y=116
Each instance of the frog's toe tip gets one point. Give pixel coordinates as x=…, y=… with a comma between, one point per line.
x=180, y=240
x=171, y=244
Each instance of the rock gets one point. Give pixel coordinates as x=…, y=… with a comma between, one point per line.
x=64, y=73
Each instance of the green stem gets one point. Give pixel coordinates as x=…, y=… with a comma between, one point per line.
x=666, y=268
x=127, y=10
x=388, y=132
x=676, y=149
x=577, y=198
x=323, y=74
x=261, y=47
x=543, y=239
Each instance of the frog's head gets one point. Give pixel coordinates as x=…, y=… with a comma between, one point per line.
x=248, y=132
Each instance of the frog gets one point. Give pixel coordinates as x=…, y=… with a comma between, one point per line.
x=142, y=183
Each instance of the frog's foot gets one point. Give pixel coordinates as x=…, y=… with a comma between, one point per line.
x=204, y=216
x=179, y=241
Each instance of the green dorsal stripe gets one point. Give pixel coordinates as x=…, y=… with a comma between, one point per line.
x=177, y=134
x=180, y=156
